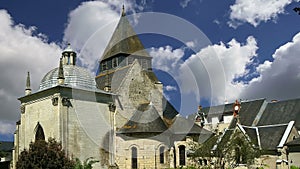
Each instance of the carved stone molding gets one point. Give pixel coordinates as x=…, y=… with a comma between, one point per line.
x=22, y=108
x=55, y=101
x=66, y=102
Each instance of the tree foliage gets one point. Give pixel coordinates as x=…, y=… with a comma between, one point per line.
x=87, y=164
x=44, y=155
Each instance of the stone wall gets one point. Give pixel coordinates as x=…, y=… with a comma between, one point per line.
x=148, y=155
x=135, y=89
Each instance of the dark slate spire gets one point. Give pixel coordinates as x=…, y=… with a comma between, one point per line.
x=61, y=77
x=28, y=87
x=124, y=41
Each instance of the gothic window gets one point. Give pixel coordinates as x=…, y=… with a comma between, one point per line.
x=162, y=155
x=114, y=62
x=181, y=155
x=134, y=158
x=39, y=135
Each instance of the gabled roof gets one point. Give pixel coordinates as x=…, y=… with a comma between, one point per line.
x=281, y=112
x=185, y=126
x=247, y=113
x=145, y=120
x=169, y=111
x=124, y=41
x=269, y=137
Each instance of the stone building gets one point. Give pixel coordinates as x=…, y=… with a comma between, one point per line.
x=272, y=127
x=120, y=117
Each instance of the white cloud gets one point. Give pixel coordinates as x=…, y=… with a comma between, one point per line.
x=170, y=88
x=278, y=79
x=184, y=3
x=211, y=71
x=90, y=27
x=216, y=67
x=165, y=58
x=190, y=44
x=257, y=11
x=21, y=50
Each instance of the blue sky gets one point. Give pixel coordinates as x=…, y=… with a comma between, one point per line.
x=243, y=49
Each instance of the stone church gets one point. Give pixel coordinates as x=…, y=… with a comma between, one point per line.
x=120, y=117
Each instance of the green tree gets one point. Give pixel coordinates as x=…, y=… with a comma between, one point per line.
x=44, y=155
x=87, y=164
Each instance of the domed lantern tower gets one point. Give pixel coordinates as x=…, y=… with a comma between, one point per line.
x=65, y=107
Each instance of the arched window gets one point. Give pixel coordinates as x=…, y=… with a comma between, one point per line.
x=134, y=158
x=182, y=155
x=39, y=134
x=162, y=155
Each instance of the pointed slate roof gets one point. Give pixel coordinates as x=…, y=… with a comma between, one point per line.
x=124, y=40
x=145, y=120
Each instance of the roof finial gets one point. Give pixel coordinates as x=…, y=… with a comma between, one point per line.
x=28, y=88
x=61, y=77
x=123, y=10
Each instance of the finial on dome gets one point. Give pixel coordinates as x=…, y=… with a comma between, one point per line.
x=28, y=87
x=69, y=56
x=123, y=10
x=61, y=77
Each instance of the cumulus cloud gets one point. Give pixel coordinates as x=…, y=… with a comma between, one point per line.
x=255, y=12
x=21, y=49
x=165, y=58
x=88, y=30
x=211, y=72
x=217, y=66
x=170, y=88
x=279, y=79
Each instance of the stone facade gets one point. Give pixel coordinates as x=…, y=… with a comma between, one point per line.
x=87, y=117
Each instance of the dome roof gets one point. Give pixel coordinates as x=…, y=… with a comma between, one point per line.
x=74, y=77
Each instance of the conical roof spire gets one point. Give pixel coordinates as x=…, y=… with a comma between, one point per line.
x=61, y=77
x=123, y=11
x=124, y=41
x=28, y=87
